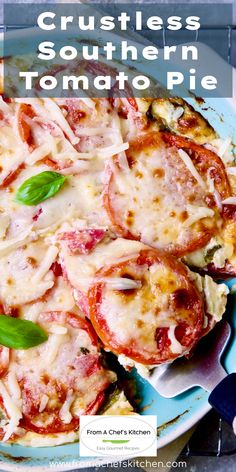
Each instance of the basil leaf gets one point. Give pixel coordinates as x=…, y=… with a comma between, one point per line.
x=20, y=334
x=40, y=187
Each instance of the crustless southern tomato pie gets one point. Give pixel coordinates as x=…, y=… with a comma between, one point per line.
x=116, y=216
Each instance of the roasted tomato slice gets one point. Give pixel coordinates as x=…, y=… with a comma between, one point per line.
x=63, y=378
x=11, y=176
x=156, y=321
x=164, y=199
x=25, y=111
x=204, y=160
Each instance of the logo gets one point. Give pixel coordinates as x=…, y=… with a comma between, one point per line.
x=118, y=436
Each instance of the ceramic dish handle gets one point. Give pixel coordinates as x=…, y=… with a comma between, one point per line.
x=223, y=399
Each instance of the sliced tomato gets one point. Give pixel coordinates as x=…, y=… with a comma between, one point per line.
x=12, y=175
x=156, y=199
x=76, y=371
x=75, y=112
x=82, y=241
x=141, y=323
x=124, y=106
x=229, y=212
x=23, y=127
x=203, y=159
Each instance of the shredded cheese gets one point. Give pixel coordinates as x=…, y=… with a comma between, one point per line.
x=4, y=223
x=13, y=385
x=116, y=283
x=52, y=347
x=64, y=412
x=82, y=146
x=38, y=153
x=230, y=201
x=43, y=403
x=8, y=245
x=188, y=162
x=58, y=116
x=58, y=329
x=12, y=409
x=197, y=213
x=176, y=347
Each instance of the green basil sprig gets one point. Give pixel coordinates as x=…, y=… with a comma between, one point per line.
x=20, y=334
x=40, y=187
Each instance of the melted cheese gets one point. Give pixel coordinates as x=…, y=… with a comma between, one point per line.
x=215, y=294
x=176, y=347
x=58, y=299
x=230, y=201
x=9, y=245
x=19, y=268
x=157, y=199
x=129, y=364
x=196, y=214
x=216, y=297
x=58, y=116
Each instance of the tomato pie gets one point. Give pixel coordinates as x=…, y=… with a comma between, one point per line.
x=116, y=216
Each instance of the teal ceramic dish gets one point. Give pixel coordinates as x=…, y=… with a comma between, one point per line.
x=174, y=416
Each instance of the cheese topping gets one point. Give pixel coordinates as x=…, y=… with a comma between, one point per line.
x=161, y=199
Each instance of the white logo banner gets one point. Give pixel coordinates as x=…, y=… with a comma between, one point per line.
x=120, y=436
